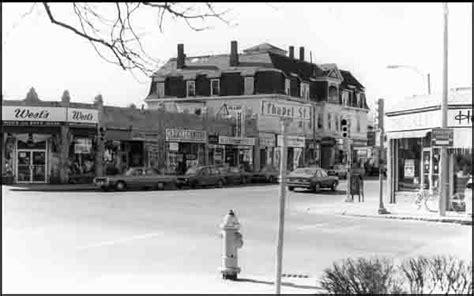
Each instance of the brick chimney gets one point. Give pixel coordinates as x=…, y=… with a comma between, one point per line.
x=181, y=56
x=301, y=53
x=291, y=52
x=234, y=56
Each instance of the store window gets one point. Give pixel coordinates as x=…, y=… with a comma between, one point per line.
x=215, y=87
x=82, y=157
x=190, y=88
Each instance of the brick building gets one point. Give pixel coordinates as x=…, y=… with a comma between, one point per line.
x=262, y=84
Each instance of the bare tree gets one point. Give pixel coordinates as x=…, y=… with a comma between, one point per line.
x=112, y=31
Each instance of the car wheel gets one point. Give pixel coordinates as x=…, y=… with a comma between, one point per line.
x=160, y=186
x=193, y=185
x=334, y=186
x=120, y=186
x=291, y=188
x=317, y=187
x=220, y=184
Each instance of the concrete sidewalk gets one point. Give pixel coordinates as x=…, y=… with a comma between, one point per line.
x=403, y=209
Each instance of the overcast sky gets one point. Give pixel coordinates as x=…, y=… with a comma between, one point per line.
x=359, y=37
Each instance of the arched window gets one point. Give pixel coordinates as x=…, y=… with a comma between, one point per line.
x=333, y=94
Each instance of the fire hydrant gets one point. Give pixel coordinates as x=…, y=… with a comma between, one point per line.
x=232, y=240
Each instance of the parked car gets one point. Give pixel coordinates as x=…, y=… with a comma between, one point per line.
x=235, y=175
x=201, y=176
x=313, y=178
x=268, y=174
x=338, y=170
x=468, y=196
x=136, y=177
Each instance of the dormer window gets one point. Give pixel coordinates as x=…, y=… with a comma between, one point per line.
x=215, y=87
x=191, y=88
x=304, y=91
x=287, y=86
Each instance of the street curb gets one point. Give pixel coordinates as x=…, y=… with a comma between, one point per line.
x=448, y=220
x=90, y=189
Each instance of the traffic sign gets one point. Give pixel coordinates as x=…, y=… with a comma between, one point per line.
x=442, y=137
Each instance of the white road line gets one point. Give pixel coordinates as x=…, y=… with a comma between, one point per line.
x=123, y=240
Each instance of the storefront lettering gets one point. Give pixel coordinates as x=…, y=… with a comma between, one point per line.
x=25, y=113
x=460, y=117
x=78, y=115
x=183, y=135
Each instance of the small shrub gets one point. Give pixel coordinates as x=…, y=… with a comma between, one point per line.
x=361, y=276
x=437, y=274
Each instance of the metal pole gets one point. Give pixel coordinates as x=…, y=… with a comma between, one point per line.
x=281, y=212
x=381, y=114
x=444, y=119
x=349, y=166
x=428, y=76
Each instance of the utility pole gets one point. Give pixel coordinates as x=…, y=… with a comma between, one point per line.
x=381, y=113
x=347, y=143
x=444, y=120
x=281, y=212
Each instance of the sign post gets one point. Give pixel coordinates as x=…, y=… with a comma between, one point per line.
x=281, y=212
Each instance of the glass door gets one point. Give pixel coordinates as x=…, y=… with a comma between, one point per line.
x=31, y=166
x=24, y=166
x=38, y=166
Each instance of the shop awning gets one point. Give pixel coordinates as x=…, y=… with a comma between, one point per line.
x=462, y=138
x=118, y=135
x=408, y=134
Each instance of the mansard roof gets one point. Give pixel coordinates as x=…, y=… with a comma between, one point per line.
x=259, y=57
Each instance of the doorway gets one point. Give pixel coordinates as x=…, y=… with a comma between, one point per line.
x=31, y=166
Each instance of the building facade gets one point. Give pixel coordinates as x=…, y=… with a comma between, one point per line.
x=66, y=142
x=413, y=155
x=262, y=85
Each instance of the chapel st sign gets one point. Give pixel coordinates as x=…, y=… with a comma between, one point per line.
x=286, y=110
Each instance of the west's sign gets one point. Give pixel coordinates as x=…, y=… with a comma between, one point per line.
x=286, y=110
x=25, y=113
x=82, y=115
x=33, y=114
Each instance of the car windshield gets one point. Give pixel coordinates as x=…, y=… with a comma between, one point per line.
x=192, y=171
x=133, y=172
x=306, y=171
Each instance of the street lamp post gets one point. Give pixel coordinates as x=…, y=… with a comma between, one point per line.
x=444, y=180
x=428, y=77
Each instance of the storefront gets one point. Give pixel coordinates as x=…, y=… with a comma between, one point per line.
x=295, y=146
x=238, y=152
x=414, y=152
x=185, y=148
x=215, y=151
x=41, y=141
x=267, y=147
x=328, y=152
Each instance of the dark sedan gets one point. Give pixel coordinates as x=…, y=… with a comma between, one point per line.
x=200, y=177
x=312, y=178
x=235, y=175
x=136, y=177
x=267, y=174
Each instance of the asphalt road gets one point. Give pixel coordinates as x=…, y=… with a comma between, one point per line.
x=84, y=241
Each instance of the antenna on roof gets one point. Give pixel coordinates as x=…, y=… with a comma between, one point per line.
x=310, y=56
